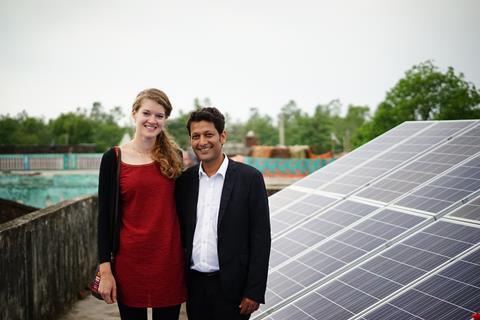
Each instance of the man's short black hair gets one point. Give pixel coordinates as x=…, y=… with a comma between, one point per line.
x=209, y=114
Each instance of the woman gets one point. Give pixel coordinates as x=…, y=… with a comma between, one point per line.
x=140, y=251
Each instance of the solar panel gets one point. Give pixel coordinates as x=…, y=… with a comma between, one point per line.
x=393, y=157
x=321, y=259
x=446, y=190
x=453, y=293
x=283, y=198
x=315, y=230
x=469, y=210
x=383, y=275
x=425, y=168
x=298, y=212
x=363, y=231
x=362, y=154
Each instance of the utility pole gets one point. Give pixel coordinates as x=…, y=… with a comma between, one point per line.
x=281, y=129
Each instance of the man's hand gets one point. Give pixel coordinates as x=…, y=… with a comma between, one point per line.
x=248, y=306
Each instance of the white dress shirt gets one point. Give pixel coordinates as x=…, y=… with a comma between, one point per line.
x=204, y=252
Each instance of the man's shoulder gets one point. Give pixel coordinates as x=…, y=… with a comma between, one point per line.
x=188, y=174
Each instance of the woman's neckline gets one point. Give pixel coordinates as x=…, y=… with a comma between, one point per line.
x=137, y=165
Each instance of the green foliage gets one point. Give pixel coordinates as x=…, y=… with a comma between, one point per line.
x=177, y=129
x=262, y=126
x=314, y=131
x=23, y=130
x=300, y=127
x=72, y=128
x=236, y=130
x=345, y=127
x=99, y=127
x=425, y=93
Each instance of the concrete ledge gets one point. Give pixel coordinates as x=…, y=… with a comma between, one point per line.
x=48, y=257
x=10, y=210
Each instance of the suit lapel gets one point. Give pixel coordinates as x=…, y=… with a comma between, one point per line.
x=228, y=184
x=194, y=188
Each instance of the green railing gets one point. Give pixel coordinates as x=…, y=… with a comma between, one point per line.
x=293, y=167
x=52, y=161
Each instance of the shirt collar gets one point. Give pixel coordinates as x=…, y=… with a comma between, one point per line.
x=222, y=170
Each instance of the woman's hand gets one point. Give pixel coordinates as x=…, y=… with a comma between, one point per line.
x=107, y=287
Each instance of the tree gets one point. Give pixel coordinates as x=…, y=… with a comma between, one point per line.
x=425, y=93
x=345, y=127
x=23, y=130
x=313, y=131
x=262, y=126
x=72, y=128
x=303, y=129
x=176, y=127
x=107, y=131
x=98, y=127
x=236, y=130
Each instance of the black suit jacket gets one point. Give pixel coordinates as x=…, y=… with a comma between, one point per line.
x=243, y=230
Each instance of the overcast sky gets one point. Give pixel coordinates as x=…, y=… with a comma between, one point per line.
x=57, y=55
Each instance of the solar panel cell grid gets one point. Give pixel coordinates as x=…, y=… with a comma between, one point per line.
x=318, y=228
x=314, y=265
x=365, y=285
x=446, y=190
x=283, y=198
x=424, y=168
x=297, y=212
x=453, y=293
x=362, y=154
x=406, y=150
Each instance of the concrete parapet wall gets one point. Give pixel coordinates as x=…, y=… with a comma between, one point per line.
x=47, y=257
x=10, y=210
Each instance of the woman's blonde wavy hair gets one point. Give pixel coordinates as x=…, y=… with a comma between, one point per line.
x=165, y=152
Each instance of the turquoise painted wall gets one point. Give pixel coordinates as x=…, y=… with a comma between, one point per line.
x=44, y=190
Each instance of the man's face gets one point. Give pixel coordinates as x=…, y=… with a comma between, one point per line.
x=206, y=141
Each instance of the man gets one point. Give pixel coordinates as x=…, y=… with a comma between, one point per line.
x=223, y=209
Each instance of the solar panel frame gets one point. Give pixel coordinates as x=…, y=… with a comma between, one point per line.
x=470, y=211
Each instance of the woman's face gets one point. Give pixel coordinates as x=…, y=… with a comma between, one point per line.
x=149, y=118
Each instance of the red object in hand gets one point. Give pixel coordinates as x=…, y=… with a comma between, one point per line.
x=476, y=316
x=95, y=284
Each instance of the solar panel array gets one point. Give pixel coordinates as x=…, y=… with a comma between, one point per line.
x=395, y=219
x=449, y=294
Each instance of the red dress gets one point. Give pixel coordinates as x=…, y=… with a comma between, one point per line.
x=149, y=265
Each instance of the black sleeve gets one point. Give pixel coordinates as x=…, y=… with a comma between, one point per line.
x=106, y=186
x=260, y=239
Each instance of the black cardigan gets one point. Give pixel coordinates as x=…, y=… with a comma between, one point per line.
x=108, y=205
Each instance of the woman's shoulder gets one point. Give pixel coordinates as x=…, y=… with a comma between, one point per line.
x=110, y=154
